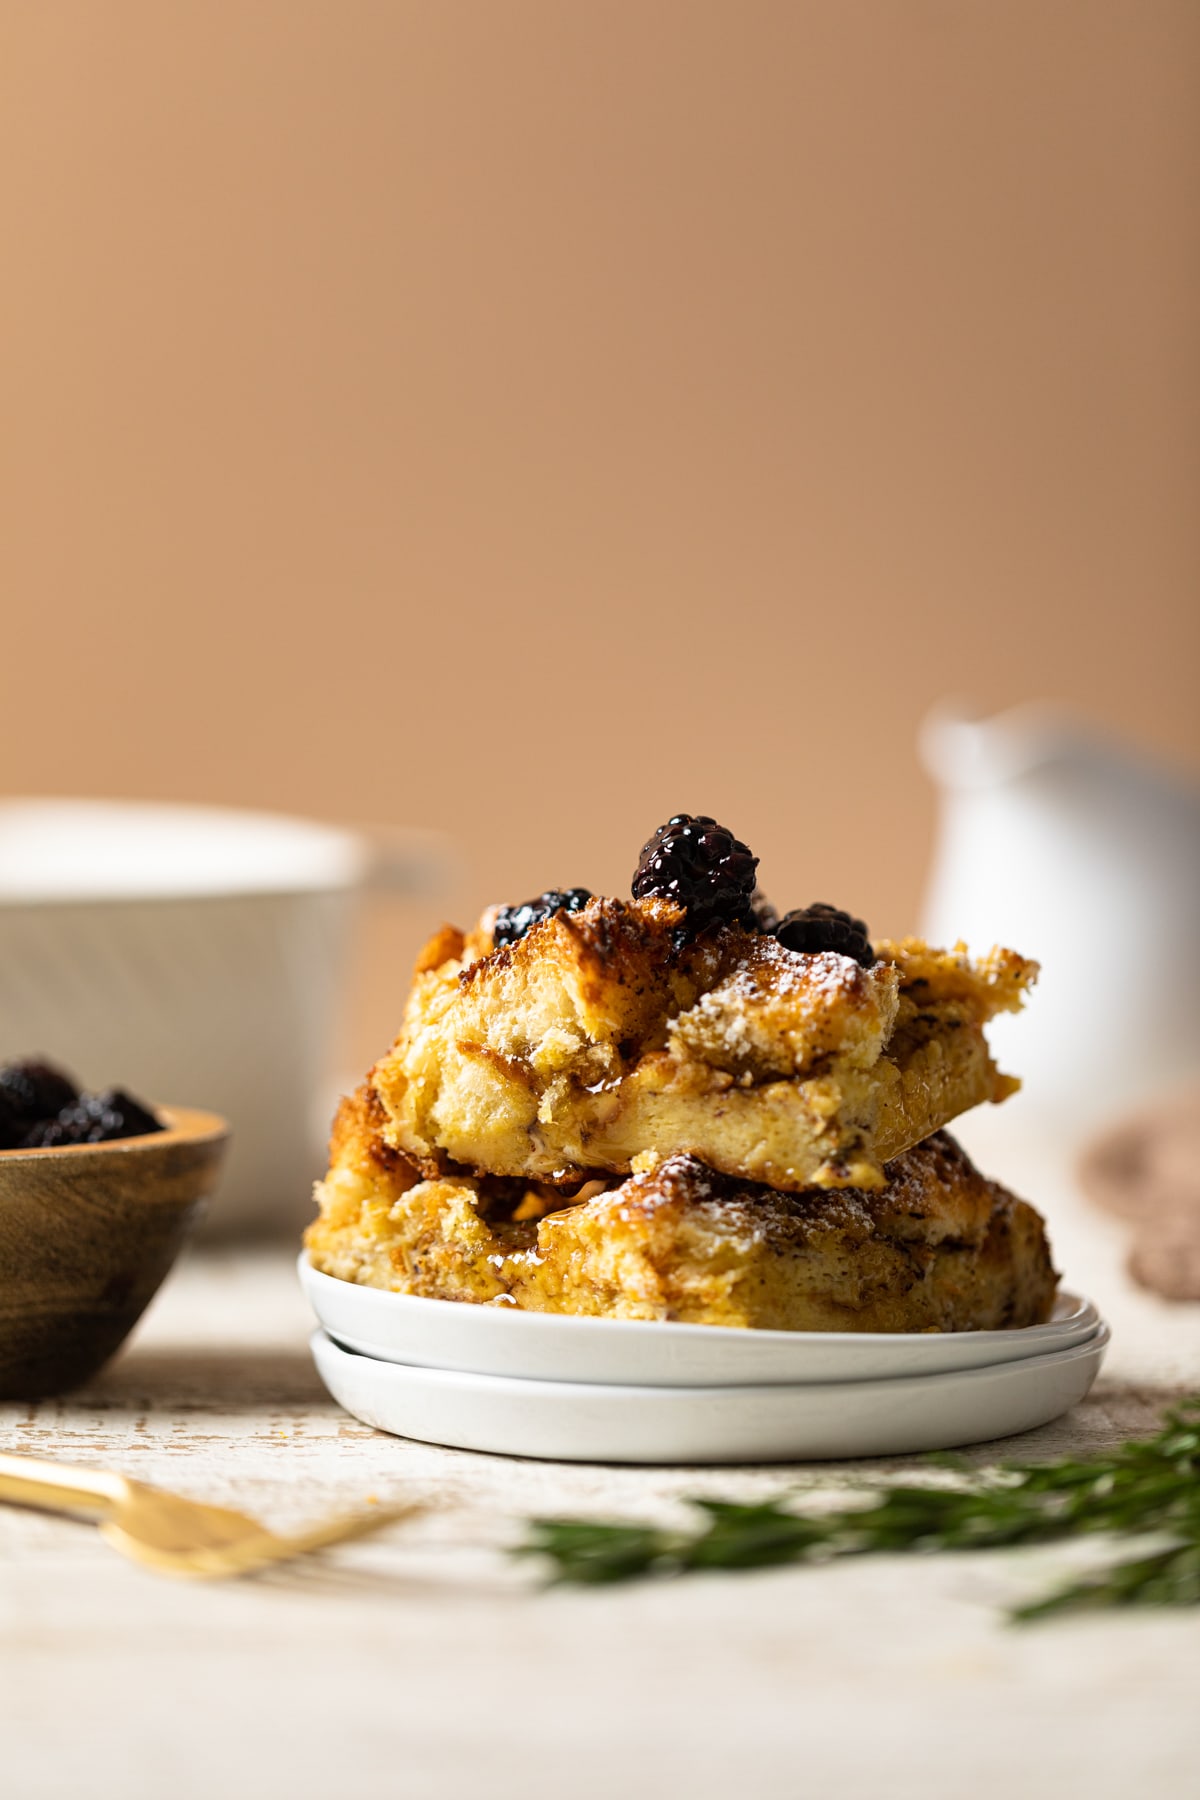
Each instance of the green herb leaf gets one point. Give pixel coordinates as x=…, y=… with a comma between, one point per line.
x=1145, y=1489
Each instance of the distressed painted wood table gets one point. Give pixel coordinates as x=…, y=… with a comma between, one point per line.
x=426, y=1662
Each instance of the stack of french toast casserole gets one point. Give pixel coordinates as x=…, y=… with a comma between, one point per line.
x=685, y=1106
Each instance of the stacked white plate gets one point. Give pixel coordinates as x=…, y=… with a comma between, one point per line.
x=613, y=1390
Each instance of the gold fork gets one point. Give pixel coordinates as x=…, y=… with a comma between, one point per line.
x=168, y=1533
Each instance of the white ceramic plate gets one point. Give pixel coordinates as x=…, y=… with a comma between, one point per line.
x=592, y=1422
x=500, y=1340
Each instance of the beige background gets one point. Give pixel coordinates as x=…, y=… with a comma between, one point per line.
x=530, y=419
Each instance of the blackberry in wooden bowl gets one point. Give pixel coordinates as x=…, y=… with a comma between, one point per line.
x=89, y=1229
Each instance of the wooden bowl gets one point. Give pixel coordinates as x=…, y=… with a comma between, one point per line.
x=87, y=1233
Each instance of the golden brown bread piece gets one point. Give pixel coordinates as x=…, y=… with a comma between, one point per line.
x=598, y=1039
x=938, y=1247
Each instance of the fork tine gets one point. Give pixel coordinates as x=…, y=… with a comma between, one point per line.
x=251, y=1554
x=351, y=1525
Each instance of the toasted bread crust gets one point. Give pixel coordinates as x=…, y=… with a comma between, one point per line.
x=938, y=1247
x=599, y=1037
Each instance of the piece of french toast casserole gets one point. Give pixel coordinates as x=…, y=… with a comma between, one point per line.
x=683, y=1107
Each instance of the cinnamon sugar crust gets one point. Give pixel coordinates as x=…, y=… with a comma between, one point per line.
x=936, y=1247
x=600, y=1037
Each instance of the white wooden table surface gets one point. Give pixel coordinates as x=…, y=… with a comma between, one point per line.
x=425, y=1662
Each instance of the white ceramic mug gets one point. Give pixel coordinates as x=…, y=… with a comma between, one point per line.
x=196, y=955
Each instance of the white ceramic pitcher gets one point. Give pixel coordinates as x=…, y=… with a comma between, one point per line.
x=1072, y=848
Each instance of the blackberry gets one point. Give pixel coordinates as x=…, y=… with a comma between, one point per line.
x=94, y=1119
x=30, y=1091
x=12, y=1126
x=702, y=867
x=822, y=927
x=512, y=922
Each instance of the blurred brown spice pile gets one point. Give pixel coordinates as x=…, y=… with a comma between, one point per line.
x=1148, y=1172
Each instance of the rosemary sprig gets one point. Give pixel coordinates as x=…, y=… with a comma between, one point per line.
x=1144, y=1489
